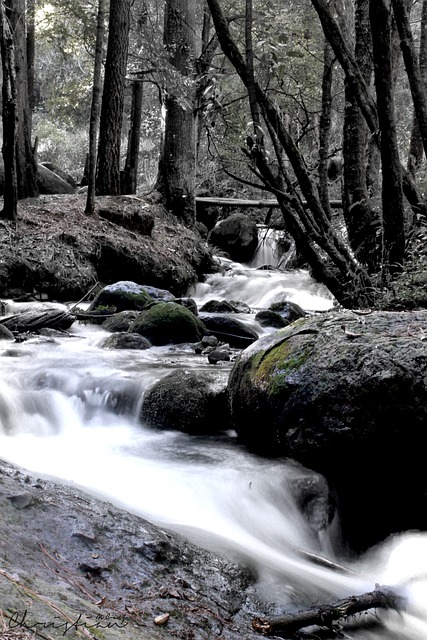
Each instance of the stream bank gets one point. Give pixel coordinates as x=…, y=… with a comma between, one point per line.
x=73, y=565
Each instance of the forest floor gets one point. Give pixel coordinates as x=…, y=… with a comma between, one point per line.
x=56, y=251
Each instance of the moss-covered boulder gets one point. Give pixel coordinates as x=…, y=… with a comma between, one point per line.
x=168, y=323
x=195, y=403
x=346, y=395
x=124, y=295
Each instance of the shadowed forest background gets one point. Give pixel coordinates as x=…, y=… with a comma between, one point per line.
x=309, y=102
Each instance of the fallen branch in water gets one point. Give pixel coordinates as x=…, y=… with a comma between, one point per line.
x=326, y=615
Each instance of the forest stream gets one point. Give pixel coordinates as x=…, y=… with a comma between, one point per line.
x=59, y=420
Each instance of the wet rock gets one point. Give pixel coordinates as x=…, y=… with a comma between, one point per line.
x=195, y=403
x=124, y=340
x=268, y=318
x=124, y=295
x=289, y=311
x=120, y=322
x=218, y=355
x=237, y=235
x=21, y=501
x=5, y=333
x=230, y=329
x=345, y=395
x=217, y=306
x=132, y=572
x=168, y=323
x=188, y=303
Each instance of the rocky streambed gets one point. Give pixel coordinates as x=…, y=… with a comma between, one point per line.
x=74, y=566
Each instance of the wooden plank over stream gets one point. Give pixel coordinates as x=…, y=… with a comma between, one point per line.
x=259, y=204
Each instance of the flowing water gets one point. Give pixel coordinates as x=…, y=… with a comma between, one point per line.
x=69, y=411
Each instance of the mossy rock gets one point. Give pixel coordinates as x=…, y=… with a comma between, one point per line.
x=124, y=295
x=168, y=323
x=340, y=392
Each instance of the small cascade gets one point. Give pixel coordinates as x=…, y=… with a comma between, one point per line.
x=273, y=249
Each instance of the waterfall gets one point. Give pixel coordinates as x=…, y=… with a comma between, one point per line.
x=59, y=420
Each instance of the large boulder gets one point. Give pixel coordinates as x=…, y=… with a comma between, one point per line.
x=345, y=395
x=168, y=323
x=195, y=403
x=237, y=235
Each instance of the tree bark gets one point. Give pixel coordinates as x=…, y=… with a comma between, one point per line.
x=412, y=67
x=9, y=117
x=415, y=155
x=108, y=168
x=392, y=194
x=325, y=125
x=130, y=172
x=26, y=165
x=94, y=112
x=177, y=166
x=361, y=221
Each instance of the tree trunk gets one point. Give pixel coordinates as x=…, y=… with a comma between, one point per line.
x=361, y=222
x=94, y=112
x=415, y=156
x=9, y=116
x=31, y=29
x=177, y=166
x=392, y=194
x=325, y=126
x=130, y=172
x=108, y=169
x=412, y=67
x=25, y=162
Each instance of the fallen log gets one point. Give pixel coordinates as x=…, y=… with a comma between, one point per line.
x=34, y=320
x=325, y=615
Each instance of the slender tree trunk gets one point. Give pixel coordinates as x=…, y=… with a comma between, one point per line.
x=25, y=161
x=412, y=67
x=9, y=116
x=94, y=112
x=130, y=172
x=203, y=64
x=392, y=194
x=415, y=155
x=108, y=169
x=325, y=126
x=31, y=34
x=361, y=221
x=177, y=166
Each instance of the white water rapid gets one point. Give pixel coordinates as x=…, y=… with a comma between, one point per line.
x=68, y=411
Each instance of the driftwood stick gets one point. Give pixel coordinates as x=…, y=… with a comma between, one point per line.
x=326, y=615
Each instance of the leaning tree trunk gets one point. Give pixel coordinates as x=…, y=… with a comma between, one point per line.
x=9, y=116
x=108, y=169
x=94, y=112
x=26, y=165
x=177, y=166
x=392, y=194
